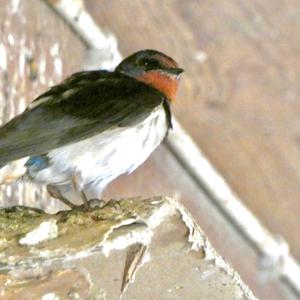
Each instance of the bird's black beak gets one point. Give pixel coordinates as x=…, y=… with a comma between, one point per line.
x=175, y=71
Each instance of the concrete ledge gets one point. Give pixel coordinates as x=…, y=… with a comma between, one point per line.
x=132, y=248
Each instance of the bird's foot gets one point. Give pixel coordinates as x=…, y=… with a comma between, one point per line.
x=100, y=203
x=88, y=204
x=94, y=204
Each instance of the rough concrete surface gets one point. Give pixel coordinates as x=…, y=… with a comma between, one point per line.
x=129, y=249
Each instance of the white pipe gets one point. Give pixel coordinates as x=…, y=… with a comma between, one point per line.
x=102, y=45
x=275, y=256
x=274, y=252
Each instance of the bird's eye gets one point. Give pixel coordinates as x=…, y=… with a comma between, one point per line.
x=143, y=62
x=149, y=63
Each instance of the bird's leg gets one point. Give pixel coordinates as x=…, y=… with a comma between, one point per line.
x=87, y=203
x=55, y=193
x=79, y=187
x=84, y=197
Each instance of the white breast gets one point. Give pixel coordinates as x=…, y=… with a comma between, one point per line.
x=104, y=157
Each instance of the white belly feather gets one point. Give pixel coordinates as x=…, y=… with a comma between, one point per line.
x=103, y=157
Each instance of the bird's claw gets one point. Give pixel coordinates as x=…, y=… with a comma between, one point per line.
x=94, y=204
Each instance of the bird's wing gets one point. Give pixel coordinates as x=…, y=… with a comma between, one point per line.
x=75, y=110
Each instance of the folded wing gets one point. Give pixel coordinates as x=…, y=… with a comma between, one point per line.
x=84, y=105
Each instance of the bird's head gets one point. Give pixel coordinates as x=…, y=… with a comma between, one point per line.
x=153, y=68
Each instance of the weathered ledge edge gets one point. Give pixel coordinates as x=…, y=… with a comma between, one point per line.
x=30, y=237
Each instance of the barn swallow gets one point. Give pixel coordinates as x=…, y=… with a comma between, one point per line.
x=95, y=125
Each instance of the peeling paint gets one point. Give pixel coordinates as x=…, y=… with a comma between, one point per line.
x=3, y=57
x=11, y=39
x=22, y=63
x=196, y=237
x=58, y=66
x=46, y=231
x=54, y=50
x=14, y=6
x=50, y=296
x=42, y=70
x=132, y=236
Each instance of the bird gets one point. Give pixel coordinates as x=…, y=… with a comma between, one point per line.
x=95, y=125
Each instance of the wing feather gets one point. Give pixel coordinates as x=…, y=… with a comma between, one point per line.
x=59, y=118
